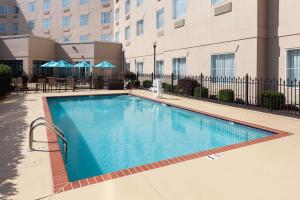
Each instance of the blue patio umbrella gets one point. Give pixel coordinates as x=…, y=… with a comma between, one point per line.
x=49, y=64
x=105, y=65
x=63, y=64
x=83, y=66
x=64, y=68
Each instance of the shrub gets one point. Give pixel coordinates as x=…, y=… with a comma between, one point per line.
x=136, y=83
x=130, y=76
x=201, y=92
x=166, y=87
x=5, y=78
x=147, y=84
x=272, y=100
x=116, y=86
x=226, y=95
x=187, y=86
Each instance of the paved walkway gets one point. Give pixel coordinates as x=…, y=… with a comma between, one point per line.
x=267, y=170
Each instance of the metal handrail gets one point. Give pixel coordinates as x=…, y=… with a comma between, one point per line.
x=52, y=128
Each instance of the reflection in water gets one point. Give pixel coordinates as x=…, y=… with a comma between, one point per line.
x=110, y=133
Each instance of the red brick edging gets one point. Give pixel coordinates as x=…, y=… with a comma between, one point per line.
x=59, y=174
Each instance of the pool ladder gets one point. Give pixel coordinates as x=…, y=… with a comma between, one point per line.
x=41, y=121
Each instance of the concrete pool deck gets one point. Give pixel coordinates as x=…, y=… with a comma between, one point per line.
x=268, y=170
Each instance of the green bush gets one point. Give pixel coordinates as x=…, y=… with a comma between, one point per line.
x=5, y=78
x=272, y=100
x=186, y=86
x=136, y=83
x=226, y=95
x=166, y=87
x=201, y=92
x=147, y=84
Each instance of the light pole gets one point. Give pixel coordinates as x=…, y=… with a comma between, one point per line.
x=154, y=60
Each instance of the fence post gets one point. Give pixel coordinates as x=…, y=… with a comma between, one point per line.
x=172, y=82
x=201, y=85
x=137, y=76
x=247, y=89
x=91, y=82
x=152, y=77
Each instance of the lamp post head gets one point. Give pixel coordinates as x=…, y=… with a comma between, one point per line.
x=154, y=44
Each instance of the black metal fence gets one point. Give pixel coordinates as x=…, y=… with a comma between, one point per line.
x=276, y=95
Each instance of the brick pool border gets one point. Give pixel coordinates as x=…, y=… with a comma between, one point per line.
x=61, y=182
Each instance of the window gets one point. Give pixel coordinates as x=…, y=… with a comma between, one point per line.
x=105, y=17
x=117, y=36
x=31, y=6
x=46, y=5
x=15, y=27
x=66, y=39
x=3, y=28
x=179, y=8
x=127, y=67
x=214, y=2
x=159, y=69
x=66, y=21
x=105, y=37
x=127, y=33
x=117, y=14
x=84, y=20
x=3, y=10
x=46, y=24
x=179, y=66
x=84, y=38
x=66, y=4
x=16, y=10
x=31, y=25
x=160, y=14
x=293, y=65
x=104, y=1
x=140, y=27
x=223, y=65
x=82, y=2
x=139, y=2
x=127, y=7
x=139, y=67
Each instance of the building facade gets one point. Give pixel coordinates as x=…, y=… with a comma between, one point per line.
x=214, y=37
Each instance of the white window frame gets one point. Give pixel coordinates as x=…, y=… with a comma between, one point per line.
x=223, y=53
x=286, y=65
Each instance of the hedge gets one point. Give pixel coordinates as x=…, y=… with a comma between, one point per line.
x=136, y=83
x=201, y=92
x=147, y=84
x=5, y=78
x=272, y=100
x=187, y=86
x=226, y=95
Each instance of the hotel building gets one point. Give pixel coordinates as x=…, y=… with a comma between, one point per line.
x=214, y=37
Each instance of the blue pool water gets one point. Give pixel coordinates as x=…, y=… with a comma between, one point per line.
x=111, y=133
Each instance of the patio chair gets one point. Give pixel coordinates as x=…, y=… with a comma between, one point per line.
x=51, y=82
x=71, y=82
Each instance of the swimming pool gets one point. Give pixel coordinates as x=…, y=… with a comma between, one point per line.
x=115, y=132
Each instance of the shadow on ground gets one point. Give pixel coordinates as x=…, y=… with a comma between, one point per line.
x=12, y=128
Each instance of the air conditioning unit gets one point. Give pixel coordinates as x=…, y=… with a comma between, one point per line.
x=128, y=17
x=46, y=12
x=220, y=10
x=179, y=24
x=67, y=10
x=160, y=33
x=66, y=29
x=117, y=23
x=3, y=16
x=47, y=31
x=105, y=5
x=106, y=26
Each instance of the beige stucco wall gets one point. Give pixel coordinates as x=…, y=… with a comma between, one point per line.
x=203, y=35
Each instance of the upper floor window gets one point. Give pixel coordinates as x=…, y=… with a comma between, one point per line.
x=84, y=20
x=214, y=2
x=117, y=14
x=139, y=2
x=117, y=36
x=179, y=8
x=140, y=27
x=127, y=7
x=31, y=6
x=66, y=4
x=15, y=27
x=105, y=1
x=105, y=17
x=46, y=5
x=3, y=10
x=105, y=37
x=66, y=21
x=127, y=33
x=31, y=25
x=16, y=10
x=179, y=66
x=82, y=2
x=46, y=24
x=223, y=65
x=84, y=38
x=160, y=15
x=140, y=67
x=3, y=27
x=293, y=65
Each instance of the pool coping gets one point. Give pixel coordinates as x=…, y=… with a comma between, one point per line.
x=61, y=182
